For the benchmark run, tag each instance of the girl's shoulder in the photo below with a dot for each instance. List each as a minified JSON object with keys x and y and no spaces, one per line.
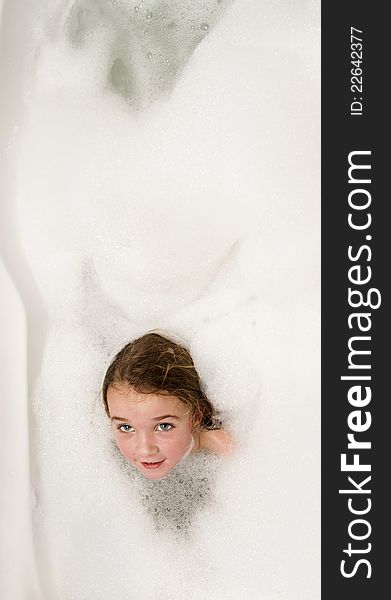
{"x":218,"y":441}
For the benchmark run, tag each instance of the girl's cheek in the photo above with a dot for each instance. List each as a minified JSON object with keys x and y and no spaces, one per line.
{"x":125,"y":451}
{"x":122,"y":447}
{"x":188,"y":447}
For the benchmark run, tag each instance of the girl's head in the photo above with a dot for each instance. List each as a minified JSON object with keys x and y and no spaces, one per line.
{"x":153,"y":396}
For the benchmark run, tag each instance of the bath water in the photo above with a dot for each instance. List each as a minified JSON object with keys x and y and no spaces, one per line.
{"x":166,"y":175}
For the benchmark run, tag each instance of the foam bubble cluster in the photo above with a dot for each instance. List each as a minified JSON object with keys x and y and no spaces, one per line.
{"x":168,"y":178}
{"x":146,"y":43}
{"x":174,"y":503}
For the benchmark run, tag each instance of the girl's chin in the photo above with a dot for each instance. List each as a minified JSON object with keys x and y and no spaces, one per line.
{"x":153,"y":475}
{"x":154,"y":470}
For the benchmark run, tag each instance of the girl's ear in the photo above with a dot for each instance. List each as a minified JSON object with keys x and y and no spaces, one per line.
{"x":196,"y":420}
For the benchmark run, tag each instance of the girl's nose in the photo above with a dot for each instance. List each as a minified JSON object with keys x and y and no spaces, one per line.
{"x":146,"y":445}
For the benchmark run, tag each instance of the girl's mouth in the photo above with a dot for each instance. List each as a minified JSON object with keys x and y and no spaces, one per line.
{"x":152,"y":465}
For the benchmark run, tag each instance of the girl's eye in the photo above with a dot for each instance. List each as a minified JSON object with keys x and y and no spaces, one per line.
{"x":125,"y":428}
{"x":165,"y":427}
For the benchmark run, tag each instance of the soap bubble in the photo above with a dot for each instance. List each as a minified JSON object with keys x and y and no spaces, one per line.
{"x":188,"y":203}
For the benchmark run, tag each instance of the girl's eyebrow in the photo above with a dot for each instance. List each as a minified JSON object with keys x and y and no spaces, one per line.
{"x":166,"y":417}
{"x":154,"y":418}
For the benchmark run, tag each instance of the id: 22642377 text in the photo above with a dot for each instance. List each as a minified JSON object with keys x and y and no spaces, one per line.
{"x":356,"y":71}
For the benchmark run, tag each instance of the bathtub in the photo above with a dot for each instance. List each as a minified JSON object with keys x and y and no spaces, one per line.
{"x":68,"y":283}
{"x":18,"y":569}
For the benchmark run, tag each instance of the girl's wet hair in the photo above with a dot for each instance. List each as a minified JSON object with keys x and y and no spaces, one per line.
{"x":154,"y":364}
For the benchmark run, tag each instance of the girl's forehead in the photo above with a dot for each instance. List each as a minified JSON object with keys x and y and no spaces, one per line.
{"x":132,"y":403}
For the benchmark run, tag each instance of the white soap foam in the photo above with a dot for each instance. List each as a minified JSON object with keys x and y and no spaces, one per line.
{"x":191,"y":207}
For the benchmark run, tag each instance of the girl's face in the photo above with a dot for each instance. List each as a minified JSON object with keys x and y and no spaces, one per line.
{"x":153,"y":432}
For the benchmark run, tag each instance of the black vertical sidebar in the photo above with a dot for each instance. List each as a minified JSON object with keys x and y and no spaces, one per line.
{"x":355,"y":119}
